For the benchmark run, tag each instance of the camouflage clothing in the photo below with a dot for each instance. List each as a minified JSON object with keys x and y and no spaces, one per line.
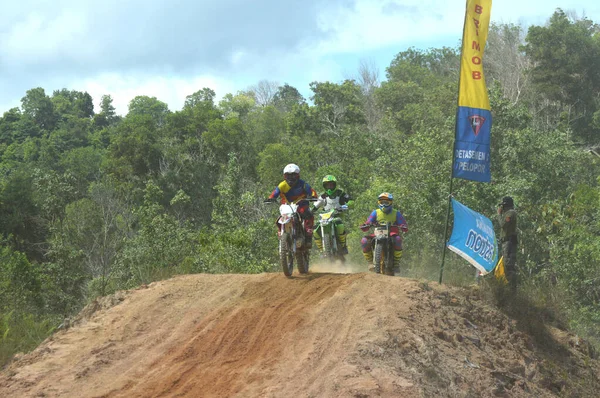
{"x":507,"y":219}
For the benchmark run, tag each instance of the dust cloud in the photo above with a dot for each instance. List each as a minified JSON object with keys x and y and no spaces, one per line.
{"x":321,"y":265}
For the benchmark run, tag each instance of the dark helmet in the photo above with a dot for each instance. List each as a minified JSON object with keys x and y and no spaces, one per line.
{"x":507,"y":201}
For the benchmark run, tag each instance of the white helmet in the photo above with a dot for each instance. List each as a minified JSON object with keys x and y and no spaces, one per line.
{"x":291,"y":168}
{"x":291,"y":174}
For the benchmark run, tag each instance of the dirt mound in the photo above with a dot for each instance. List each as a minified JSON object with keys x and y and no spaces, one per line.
{"x":321,"y":335}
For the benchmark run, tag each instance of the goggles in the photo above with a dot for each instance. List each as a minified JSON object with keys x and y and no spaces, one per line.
{"x":385,"y":202}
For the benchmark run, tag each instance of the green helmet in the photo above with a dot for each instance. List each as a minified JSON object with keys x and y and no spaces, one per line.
{"x":327,"y":180}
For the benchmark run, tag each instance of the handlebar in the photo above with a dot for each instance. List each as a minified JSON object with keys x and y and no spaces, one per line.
{"x":340,"y":209}
{"x":274,"y":200}
{"x":378,"y":224}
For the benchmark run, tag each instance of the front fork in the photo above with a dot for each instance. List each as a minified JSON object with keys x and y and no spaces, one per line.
{"x":291,"y":231}
{"x":332,"y":237}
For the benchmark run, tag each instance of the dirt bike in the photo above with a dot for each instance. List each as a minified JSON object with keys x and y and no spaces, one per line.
{"x":331,"y":249}
{"x":292,"y":239}
{"x":382,"y":245}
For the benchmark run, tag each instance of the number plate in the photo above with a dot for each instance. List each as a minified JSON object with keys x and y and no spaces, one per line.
{"x":380,"y":232}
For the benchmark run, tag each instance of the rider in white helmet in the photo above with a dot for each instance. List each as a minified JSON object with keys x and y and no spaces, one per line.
{"x":292,"y":190}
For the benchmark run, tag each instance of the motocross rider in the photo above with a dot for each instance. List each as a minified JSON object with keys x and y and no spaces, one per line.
{"x":384,"y":213}
{"x":332,"y":198}
{"x":292,"y":190}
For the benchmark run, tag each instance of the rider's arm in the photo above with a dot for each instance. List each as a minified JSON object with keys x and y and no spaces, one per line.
{"x":320,"y":202}
{"x":275,"y":193}
{"x":345,"y":198}
{"x":372,"y":219}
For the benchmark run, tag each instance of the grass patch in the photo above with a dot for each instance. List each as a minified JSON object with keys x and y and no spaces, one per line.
{"x":21,"y":333}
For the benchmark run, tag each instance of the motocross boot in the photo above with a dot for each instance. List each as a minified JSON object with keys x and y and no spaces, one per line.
{"x":308,"y":241}
{"x":318,"y":241}
{"x":397,"y":257}
{"x":308,"y":229}
{"x":342,"y":241}
{"x":369,"y":257}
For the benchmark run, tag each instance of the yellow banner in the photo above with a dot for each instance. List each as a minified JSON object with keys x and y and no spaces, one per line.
{"x":472,"y":91}
{"x":499,"y":271}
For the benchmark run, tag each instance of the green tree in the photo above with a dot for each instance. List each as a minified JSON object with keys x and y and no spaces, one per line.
{"x":149,"y":106}
{"x":39,"y":107}
{"x":337,"y":104}
{"x":200,"y":97}
{"x":73,"y":103}
{"x":134,"y":151}
{"x":19,"y":215}
{"x":286,"y":97}
{"x":237,"y":106}
{"x":107,"y":116}
{"x":566,"y":70}
{"x":160,"y":245}
{"x":9,"y":126}
{"x":20,"y":282}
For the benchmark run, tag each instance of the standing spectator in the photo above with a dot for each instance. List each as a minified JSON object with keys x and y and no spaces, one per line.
{"x":507,"y":217}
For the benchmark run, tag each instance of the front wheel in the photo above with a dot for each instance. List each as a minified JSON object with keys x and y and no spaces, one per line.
{"x":326,"y":241}
{"x":379,"y":258}
{"x":389,"y":261}
{"x":286,"y":254}
{"x":302,"y":258}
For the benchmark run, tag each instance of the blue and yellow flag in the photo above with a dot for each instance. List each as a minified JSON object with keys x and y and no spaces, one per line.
{"x":473,"y":117}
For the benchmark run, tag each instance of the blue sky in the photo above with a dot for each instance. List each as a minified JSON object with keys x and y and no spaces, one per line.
{"x":171,"y":48}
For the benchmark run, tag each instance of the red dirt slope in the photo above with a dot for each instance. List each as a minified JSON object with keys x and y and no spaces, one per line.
{"x":322,"y":335}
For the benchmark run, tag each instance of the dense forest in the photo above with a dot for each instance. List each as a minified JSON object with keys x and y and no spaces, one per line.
{"x":92,"y":202}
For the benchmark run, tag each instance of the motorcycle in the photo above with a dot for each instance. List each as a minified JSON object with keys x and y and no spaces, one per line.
{"x":331,"y":249}
{"x":382,"y":245}
{"x":291,"y":235}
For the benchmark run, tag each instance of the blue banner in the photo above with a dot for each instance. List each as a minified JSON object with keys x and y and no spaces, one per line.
{"x":472,"y":147}
{"x":473,"y":238}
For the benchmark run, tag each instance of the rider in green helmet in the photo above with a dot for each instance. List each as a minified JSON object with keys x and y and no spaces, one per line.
{"x":332,"y":198}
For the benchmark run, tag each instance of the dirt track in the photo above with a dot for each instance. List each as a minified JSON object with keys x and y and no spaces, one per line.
{"x":322,"y":335}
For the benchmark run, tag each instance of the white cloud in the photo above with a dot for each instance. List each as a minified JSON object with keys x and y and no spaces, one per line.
{"x":237,"y":57}
{"x":171,"y":90}
{"x":37,"y":36}
{"x":370,"y":25}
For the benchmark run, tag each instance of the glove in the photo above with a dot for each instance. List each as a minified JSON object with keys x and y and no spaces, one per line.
{"x":270,"y":200}
{"x":404,"y":228}
{"x":365,"y":227}
{"x":323,"y":196}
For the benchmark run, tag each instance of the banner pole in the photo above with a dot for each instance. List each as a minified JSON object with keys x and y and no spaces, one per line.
{"x":450,"y":195}
{"x":453,"y":148}
{"x":446,"y":232}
